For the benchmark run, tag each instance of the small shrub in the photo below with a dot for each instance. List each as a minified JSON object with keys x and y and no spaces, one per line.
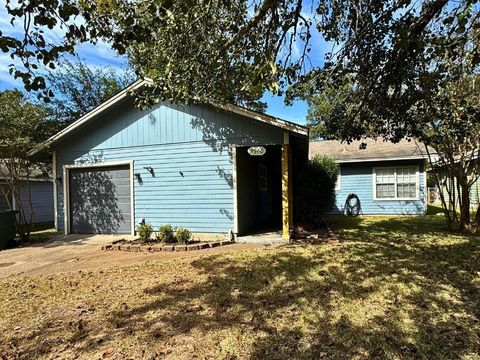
{"x":183,"y":235}
{"x":144,"y":231}
{"x":166,"y":234}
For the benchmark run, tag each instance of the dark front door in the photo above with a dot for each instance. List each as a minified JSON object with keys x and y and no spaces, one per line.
{"x":100,"y":200}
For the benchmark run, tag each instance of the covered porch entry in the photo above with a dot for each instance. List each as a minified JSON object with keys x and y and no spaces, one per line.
{"x":263,"y":185}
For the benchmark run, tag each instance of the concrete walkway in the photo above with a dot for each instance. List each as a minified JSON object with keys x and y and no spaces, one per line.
{"x":269,"y":237}
{"x":87,"y":239}
{"x":66,"y":253}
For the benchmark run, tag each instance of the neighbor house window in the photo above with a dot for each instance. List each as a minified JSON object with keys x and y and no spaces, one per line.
{"x":396,"y":182}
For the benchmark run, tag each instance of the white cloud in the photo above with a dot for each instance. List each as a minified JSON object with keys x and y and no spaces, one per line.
{"x":16,"y":30}
{"x":7,"y":81}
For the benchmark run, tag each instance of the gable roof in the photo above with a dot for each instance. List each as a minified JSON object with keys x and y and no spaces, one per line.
{"x":268,"y":119}
{"x":376,"y":150}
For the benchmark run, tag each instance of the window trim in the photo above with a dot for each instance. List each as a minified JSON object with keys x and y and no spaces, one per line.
{"x":338,"y":184}
{"x":262,"y":185}
{"x":396,"y":198}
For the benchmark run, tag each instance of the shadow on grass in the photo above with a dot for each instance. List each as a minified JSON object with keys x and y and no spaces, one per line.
{"x":434,"y":210}
{"x":425,"y":299}
{"x":369,"y":298}
{"x":405,"y":227}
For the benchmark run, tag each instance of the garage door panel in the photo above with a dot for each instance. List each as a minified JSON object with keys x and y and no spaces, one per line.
{"x":125,"y":209}
{"x":123,"y":191}
{"x":121,"y":181}
{"x":100,"y":200}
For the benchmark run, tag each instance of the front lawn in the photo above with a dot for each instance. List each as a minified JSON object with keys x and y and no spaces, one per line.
{"x":396,"y":288}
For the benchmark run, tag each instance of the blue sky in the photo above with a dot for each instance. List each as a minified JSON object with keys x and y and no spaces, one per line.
{"x":102,"y":55}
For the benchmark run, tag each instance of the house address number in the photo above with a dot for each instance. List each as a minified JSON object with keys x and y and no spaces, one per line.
{"x":257,"y":150}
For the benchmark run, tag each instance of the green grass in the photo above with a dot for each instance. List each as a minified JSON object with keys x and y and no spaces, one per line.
{"x":395,"y":288}
{"x":434,"y":209}
{"x":41,"y":233}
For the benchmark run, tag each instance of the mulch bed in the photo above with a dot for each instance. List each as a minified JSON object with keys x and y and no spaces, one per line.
{"x":304,"y":233}
{"x":135,"y":246}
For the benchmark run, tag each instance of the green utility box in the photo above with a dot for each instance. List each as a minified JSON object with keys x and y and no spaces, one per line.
{"x":7,"y":227}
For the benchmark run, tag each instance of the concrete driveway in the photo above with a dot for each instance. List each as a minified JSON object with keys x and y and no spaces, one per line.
{"x":66,"y":253}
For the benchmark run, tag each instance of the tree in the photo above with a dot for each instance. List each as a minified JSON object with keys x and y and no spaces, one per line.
{"x":23,"y":125}
{"x":315,"y":189}
{"x":421,"y":84}
{"x":199,"y":48}
{"x":79,"y":88}
{"x":34,"y":48}
{"x":455,"y":135}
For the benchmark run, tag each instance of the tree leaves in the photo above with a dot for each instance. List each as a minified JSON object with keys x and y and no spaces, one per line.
{"x":209,"y":49}
{"x":33,"y":50}
{"x":75,"y":89}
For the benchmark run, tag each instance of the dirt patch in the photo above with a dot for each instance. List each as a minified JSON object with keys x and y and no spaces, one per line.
{"x":50,"y":259}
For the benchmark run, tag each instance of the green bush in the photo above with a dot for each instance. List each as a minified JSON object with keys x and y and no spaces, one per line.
{"x":166,"y":234}
{"x":183,"y":235}
{"x":315,"y":189}
{"x":144,"y":231}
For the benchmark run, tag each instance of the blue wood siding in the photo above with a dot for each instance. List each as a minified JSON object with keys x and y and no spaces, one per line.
{"x":358,"y":178}
{"x":41,"y":193}
{"x":42,"y":201}
{"x":190,"y":150}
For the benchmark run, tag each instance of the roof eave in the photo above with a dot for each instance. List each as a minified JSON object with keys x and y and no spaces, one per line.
{"x":397,"y":158}
{"x":286,"y":125}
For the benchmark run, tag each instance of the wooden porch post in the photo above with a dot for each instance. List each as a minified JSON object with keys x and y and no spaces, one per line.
{"x":287,"y":193}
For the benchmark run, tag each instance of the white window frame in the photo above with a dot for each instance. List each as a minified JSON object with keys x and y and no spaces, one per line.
{"x":338,"y":184}
{"x":396,"y":198}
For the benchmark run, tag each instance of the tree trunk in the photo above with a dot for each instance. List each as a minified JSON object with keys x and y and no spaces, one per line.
{"x":464,"y":203}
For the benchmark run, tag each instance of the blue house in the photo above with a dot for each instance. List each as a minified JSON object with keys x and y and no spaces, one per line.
{"x":388,"y":178}
{"x":212,"y":168}
{"x":39,"y":200}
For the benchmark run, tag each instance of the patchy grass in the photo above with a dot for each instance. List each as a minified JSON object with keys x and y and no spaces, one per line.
{"x":397,"y":288}
{"x":42,"y":233}
{"x":435,"y":209}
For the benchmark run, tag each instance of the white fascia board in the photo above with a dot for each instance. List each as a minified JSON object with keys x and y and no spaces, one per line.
{"x":283,"y":124}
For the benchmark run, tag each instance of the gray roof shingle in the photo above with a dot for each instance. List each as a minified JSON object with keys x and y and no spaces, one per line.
{"x":376,"y":150}
{"x":36,"y":173}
